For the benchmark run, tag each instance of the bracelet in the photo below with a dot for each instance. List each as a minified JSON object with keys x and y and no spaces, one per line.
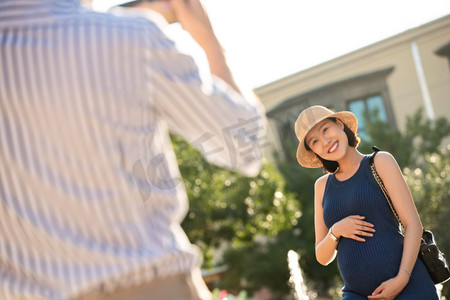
{"x":332,"y":236}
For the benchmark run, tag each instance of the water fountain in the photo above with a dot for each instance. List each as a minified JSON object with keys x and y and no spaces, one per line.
{"x":296,"y":280}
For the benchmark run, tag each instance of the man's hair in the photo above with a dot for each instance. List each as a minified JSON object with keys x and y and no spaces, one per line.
{"x":331,"y":166}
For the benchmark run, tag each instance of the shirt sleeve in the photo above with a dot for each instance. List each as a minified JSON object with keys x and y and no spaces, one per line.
{"x":226,"y":127}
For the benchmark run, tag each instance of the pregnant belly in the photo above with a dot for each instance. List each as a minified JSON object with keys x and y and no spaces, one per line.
{"x":365,"y":265}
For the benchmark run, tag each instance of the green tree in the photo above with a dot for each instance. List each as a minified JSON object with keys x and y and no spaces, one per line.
{"x":421,"y":136}
{"x":387,"y":138}
{"x":227,"y":208}
{"x":429,"y":186}
{"x":425,"y":136}
{"x":261,"y":264}
{"x":300,"y":181}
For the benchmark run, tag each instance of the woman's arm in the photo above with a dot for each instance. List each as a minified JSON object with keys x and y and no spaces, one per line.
{"x":403,"y":202}
{"x":326,"y":247}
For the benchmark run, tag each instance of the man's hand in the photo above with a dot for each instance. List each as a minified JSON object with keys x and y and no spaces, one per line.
{"x":194,"y":19}
{"x":163,"y":7}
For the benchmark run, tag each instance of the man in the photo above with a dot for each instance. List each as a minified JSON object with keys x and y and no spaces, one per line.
{"x":90,"y":191}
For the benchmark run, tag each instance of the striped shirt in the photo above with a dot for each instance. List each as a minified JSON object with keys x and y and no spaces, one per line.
{"x":91,"y":198}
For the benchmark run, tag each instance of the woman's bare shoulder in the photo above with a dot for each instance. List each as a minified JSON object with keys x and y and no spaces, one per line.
{"x":387,"y":167}
{"x":321,"y":182}
{"x":384,"y":159}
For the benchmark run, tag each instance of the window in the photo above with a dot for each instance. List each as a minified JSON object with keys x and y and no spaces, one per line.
{"x":374,"y":106}
{"x":444,"y":51}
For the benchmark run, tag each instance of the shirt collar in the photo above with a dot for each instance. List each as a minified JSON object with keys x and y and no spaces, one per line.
{"x":28,"y":9}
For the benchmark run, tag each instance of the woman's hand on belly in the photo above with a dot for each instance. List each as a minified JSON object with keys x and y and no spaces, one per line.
{"x":353,"y":227}
{"x":391,"y":288}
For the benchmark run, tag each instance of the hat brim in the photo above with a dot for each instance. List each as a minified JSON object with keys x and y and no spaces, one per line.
{"x":309,"y":159}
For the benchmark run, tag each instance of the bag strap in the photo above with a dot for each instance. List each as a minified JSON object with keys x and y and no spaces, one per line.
{"x":381,"y":184}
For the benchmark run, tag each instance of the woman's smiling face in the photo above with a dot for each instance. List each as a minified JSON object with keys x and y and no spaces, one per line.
{"x":328,"y":139}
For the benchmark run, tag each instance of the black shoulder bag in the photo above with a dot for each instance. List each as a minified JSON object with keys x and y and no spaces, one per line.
{"x":433,"y":259}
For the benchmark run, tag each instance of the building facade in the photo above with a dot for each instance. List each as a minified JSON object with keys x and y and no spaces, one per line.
{"x":391,"y":79}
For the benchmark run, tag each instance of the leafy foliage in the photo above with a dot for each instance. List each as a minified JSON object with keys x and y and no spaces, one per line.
{"x":430,"y":188}
{"x":387,"y":138}
{"x":425,"y":136}
{"x":421,"y":136}
{"x":227,"y":208}
{"x":260,"y":264}
{"x":300,"y":182}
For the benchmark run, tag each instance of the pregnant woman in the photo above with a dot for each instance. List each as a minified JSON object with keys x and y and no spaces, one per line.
{"x":353,"y":221}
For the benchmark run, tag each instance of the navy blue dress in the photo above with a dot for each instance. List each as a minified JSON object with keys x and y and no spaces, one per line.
{"x":365,"y":265}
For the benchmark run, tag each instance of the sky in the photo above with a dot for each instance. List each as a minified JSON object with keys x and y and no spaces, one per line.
{"x":266,"y":40}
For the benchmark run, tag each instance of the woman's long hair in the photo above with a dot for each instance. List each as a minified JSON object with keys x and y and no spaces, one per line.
{"x":331,"y":166}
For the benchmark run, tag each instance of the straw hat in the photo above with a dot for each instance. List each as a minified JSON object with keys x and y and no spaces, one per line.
{"x":310,"y":117}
